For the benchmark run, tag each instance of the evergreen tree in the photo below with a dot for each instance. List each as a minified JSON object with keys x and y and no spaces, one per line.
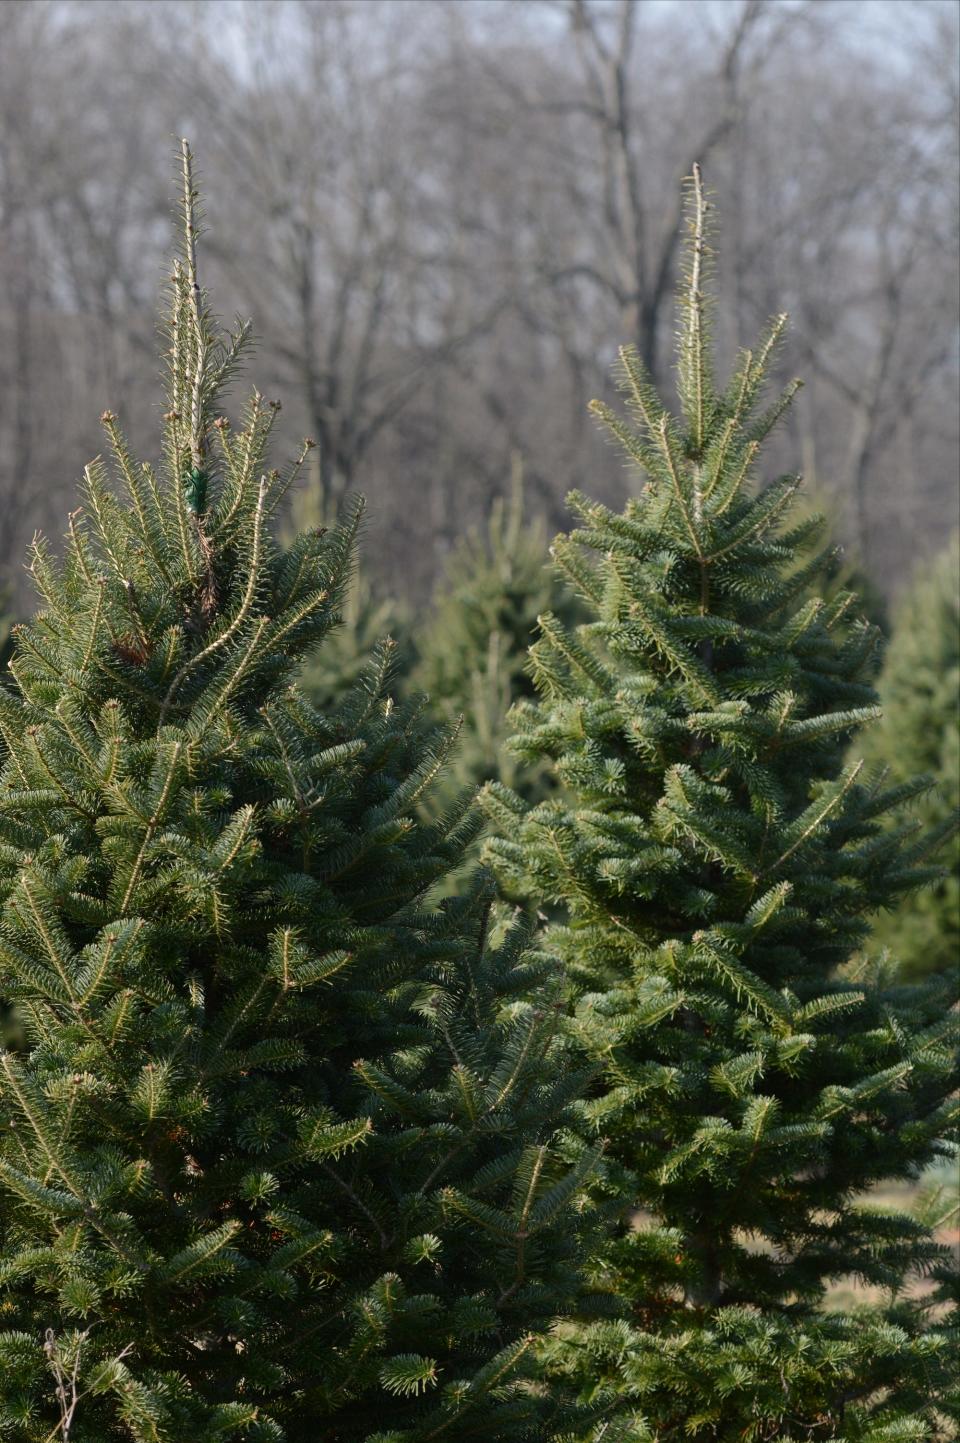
{"x":842,"y":573}
{"x":473,"y":654}
{"x":920,"y":731}
{"x":8,"y":1028}
{"x":365,"y":620}
{"x":718,"y":863}
{"x":6,"y":637}
{"x":276,"y":1153}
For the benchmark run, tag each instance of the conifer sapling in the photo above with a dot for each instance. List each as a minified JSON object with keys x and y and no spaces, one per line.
{"x":473,"y":652}
{"x":717,"y":862}
{"x":275,"y":1142}
{"x":919,"y":690}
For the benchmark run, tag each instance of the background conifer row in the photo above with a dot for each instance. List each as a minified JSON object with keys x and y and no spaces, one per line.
{"x":473,"y":651}
{"x":919,"y":691}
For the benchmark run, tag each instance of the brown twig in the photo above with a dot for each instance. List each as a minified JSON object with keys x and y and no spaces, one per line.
{"x":67,"y":1393}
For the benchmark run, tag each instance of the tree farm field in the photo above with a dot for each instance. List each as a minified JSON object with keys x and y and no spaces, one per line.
{"x":531,"y":1015}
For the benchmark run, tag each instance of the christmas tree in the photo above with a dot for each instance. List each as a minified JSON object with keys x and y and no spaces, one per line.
{"x":842,"y":573}
{"x":718,"y":862}
{"x":276,"y":1150}
{"x":473,"y":655}
{"x":8,"y":1028}
{"x":920,"y":731}
{"x":6,"y":637}
{"x":365,"y":620}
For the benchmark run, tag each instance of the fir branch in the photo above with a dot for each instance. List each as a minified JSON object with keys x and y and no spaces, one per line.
{"x":816,"y":815}
{"x":243,"y":612}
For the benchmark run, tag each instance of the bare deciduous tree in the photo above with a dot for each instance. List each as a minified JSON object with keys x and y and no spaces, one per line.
{"x":444,"y":215}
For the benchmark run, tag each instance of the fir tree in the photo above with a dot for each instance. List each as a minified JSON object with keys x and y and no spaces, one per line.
{"x":275,"y":1153}
{"x":6,"y":637}
{"x":920,"y":731}
{"x":365,"y":621}
{"x":473,"y":654}
{"x":8,"y":1026}
{"x":718,"y":863}
{"x":842,"y":574}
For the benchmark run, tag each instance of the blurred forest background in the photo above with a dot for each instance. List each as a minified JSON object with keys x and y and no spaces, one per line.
{"x":444,"y":215}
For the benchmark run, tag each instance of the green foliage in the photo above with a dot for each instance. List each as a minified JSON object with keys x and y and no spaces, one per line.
{"x":841,"y":573}
{"x":6,"y":638}
{"x":364,"y":623}
{"x":278,"y":1151}
{"x":746,"y":1376}
{"x":365,"y":620}
{"x":717,"y":863}
{"x":7,"y":1025}
{"x":920,"y":732}
{"x":473,"y":653}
